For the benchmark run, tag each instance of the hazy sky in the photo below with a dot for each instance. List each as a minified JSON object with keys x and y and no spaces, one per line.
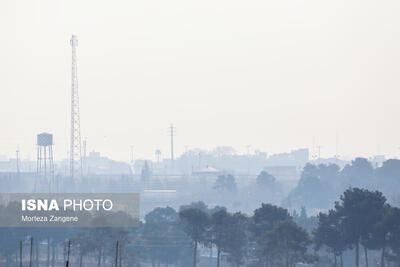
{"x":270,"y":74}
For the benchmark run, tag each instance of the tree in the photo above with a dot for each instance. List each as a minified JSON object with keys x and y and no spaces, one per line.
{"x":236,"y":246}
{"x":219,"y":231}
{"x":196,"y":223}
{"x":266,"y":217}
{"x":330,"y":177}
{"x":195,"y":205}
{"x":388,"y":176}
{"x":267,"y":188}
{"x":329,"y":173}
{"x":304,"y":221}
{"x":165,"y":215}
{"x":225,"y":183}
{"x":84,"y":244}
{"x":163,"y":236}
{"x":359,"y":211}
{"x":286,"y":245}
{"x":265,"y":180}
{"x":391,"y":226}
{"x":264,"y":220}
{"x":329,"y":233}
{"x":358,"y":174}
{"x":385,"y":231}
{"x":314,"y":188}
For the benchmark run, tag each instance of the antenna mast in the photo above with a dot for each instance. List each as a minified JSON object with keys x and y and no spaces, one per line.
{"x":75,"y":150}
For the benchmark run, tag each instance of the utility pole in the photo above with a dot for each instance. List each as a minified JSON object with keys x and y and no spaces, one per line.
{"x":120,"y":253}
{"x":199,"y":160}
{"x":319,"y":151}
{"x":314,"y":154}
{"x":171,"y":132}
{"x":337,"y":149}
{"x":116,"y":254}
{"x":131,"y":155}
{"x":68,"y":252}
{"x":30,"y":254}
{"x":158,"y":155}
{"x":20,"y":253}
{"x":131,"y":160}
{"x":17,"y":157}
{"x":75,"y":150}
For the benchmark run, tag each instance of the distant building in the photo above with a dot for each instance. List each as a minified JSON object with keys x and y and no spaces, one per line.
{"x":97,"y":164}
{"x":283,"y":173}
{"x":10,"y":165}
{"x":297,"y":158}
{"x":208,"y":171}
{"x":225,"y":159}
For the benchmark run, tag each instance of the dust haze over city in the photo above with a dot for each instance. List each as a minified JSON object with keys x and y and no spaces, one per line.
{"x":239,"y":125}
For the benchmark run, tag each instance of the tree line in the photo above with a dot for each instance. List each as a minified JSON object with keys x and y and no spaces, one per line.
{"x":361,"y":219}
{"x":320,"y":185}
{"x":360,"y":222}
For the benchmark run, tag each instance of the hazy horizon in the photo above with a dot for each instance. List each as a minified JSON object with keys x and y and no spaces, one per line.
{"x":272,"y":75}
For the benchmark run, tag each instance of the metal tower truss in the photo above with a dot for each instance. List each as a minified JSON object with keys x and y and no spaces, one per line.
{"x":75,"y":149}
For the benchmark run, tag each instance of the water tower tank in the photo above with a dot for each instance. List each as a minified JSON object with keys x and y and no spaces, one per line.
{"x":44,"y":139}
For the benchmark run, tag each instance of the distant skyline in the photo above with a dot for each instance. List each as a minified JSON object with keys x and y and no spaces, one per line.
{"x":273,"y":75}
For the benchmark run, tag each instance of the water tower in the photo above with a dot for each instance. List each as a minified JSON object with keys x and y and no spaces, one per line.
{"x":45,"y":165}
